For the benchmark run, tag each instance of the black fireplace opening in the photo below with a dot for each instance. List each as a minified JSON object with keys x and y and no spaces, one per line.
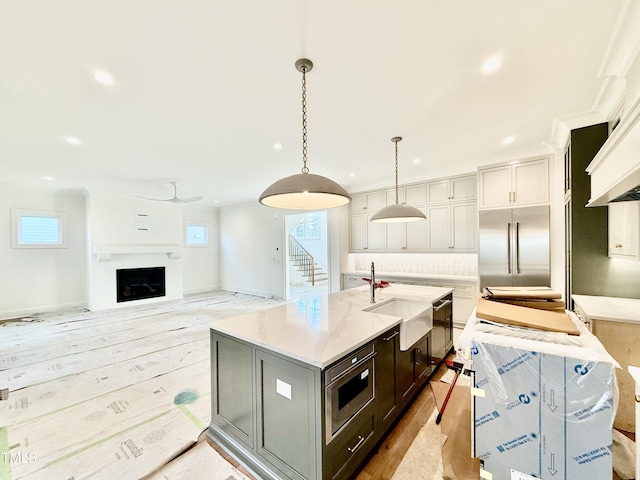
{"x":139,"y":283}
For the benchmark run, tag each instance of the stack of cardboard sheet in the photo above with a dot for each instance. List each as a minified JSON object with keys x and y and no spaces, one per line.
{"x":539,"y":308}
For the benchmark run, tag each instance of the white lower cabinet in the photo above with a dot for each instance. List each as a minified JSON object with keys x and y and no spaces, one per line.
{"x":351,"y":281}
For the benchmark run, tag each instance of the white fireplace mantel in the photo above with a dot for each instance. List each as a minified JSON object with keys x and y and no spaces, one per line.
{"x":103,"y":253}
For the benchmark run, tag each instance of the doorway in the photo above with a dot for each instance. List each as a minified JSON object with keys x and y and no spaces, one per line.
{"x":307,"y":255}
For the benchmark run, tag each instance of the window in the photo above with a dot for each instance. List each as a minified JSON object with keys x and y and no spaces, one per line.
{"x":196,"y":234}
{"x":308,"y":227}
{"x":38,"y":229}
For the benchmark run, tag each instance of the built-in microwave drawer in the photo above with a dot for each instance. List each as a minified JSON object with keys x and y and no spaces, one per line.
{"x":344,"y":365}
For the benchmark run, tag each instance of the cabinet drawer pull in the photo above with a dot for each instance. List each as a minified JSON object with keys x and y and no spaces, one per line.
{"x":618,"y":245}
{"x":446,"y":302}
{"x":393,"y":335}
{"x":357,"y":445}
{"x":416,"y":356}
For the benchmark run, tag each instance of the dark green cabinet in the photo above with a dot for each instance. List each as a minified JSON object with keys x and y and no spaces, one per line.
{"x":270,"y":411}
{"x":388,"y":350}
{"x":413,"y":369}
{"x":345,"y":453}
{"x":288,"y":417}
{"x":232,"y":382}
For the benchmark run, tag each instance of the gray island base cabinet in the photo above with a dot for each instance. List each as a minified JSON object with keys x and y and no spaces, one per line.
{"x":265,"y":409}
{"x":279,"y":415}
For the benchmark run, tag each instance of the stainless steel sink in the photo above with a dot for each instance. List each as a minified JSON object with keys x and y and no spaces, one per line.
{"x":417,"y":318}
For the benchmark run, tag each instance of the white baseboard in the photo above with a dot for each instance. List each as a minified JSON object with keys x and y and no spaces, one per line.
{"x":31,"y":311}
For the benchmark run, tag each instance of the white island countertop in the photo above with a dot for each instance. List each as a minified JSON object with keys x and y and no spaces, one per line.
{"x":320,"y":330}
{"x":613,"y":309}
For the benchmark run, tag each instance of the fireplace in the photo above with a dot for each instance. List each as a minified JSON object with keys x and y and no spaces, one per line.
{"x":138,"y":283}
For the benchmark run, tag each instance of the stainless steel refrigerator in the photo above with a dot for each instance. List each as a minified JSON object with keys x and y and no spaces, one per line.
{"x":514,"y":247}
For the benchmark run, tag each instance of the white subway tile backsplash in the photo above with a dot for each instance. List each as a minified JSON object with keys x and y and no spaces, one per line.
{"x":426,"y":263}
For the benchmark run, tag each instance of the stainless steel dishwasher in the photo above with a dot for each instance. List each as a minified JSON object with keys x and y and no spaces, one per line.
{"x":442,"y":333}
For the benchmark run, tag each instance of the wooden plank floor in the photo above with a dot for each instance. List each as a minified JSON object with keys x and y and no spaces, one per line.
{"x":385,"y":461}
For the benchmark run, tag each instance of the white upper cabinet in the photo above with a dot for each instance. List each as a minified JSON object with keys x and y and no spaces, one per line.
{"x":624,"y":230}
{"x":514,"y":184}
{"x":452,"y":190}
{"x":406,"y":237}
{"x":452,"y":214}
{"x":367,"y":202}
{"x":410,"y":236}
{"x":366,"y":236}
{"x":452,"y":228}
{"x":410,"y":195}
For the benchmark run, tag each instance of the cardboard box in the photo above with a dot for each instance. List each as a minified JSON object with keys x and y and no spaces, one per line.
{"x":525,"y":317}
{"x":522,"y":293}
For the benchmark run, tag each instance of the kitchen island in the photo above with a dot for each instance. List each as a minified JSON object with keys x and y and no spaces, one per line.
{"x":306,"y":390}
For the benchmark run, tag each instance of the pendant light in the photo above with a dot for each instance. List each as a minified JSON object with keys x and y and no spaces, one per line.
{"x":397,"y":212}
{"x":304,"y":191}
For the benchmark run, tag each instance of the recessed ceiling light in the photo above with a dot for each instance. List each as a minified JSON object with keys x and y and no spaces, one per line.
{"x":507,"y":140}
{"x":415,"y":161}
{"x":277,"y":146}
{"x":352,"y":175}
{"x":48,"y":178}
{"x":215,"y":201}
{"x":103,"y":77}
{"x":491,"y":64}
{"x":73,"y":141}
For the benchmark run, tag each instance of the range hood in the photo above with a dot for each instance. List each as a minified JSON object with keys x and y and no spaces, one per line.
{"x":615,"y":170}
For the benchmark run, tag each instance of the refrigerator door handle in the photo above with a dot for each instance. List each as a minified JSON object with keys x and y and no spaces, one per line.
{"x":509,"y":247}
{"x":517,"y":247}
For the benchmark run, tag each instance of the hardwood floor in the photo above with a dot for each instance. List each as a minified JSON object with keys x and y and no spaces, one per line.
{"x":386,"y":459}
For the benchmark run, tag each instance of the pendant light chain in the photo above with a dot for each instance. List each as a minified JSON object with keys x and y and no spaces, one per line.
{"x":305,"y":169}
{"x":396,"y":173}
{"x":304,"y":191}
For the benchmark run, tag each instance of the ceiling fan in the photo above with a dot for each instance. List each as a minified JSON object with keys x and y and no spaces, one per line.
{"x":175,"y":199}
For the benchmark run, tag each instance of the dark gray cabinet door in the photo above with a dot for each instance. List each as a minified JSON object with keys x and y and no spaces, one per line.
{"x":413,"y":368}
{"x":386,"y":376}
{"x":232,"y":388}
{"x":406,"y":371}
{"x":289,"y":424}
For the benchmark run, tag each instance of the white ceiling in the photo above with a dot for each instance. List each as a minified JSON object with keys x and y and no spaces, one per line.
{"x":204,"y":88}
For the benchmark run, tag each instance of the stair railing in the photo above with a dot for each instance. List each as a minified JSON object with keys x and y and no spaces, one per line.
{"x":302,"y":258}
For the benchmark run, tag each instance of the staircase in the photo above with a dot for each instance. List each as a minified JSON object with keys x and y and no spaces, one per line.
{"x":310,"y":272}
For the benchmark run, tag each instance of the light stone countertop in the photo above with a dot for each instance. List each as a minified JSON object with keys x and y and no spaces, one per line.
{"x":321,"y":330}
{"x":613,"y":309}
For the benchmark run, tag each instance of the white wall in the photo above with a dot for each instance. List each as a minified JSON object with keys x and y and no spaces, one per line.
{"x":47,"y":279}
{"x":43,"y":279}
{"x":252,"y":249}
{"x":200,"y":264}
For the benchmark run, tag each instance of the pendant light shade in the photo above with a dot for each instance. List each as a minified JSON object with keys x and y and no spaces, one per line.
{"x":397,"y":212}
{"x":304,"y":191}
